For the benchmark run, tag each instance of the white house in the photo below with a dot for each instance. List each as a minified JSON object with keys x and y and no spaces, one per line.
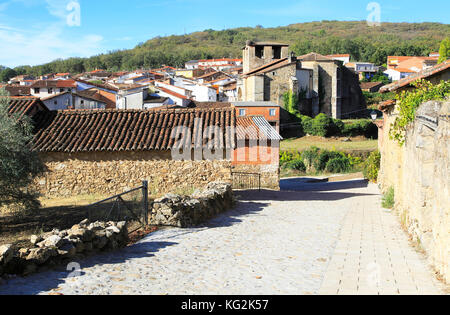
{"x":46,"y":88}
{"x":398,"y":74}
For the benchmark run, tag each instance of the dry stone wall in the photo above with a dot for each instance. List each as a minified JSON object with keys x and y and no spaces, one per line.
{"x":420,"y":175}
{"x":109,"y":173}
{"x":56,"y":247}
{"x":188,"y":211}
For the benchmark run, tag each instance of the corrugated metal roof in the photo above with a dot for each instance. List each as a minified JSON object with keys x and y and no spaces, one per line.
{"x":255,"y":128}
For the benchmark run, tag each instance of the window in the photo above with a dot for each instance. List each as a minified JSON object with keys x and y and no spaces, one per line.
{"x":50,"y":90}
{"x":242,"y":112}
{"x":37,"y":91}
{"x":259,"y":51}
{"x":55,"y":102}
{"x":272,"y":112}
{"x":61,"y":90}
{"x":276,"y":52}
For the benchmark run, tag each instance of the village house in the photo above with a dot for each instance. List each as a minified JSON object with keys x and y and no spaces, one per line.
{"x":323,"y":85}
{"x":74,"y":100}
{"x":436,"y":74}
{"x":172,"y":149}
{"x":345,"y":58}
{"x":399,"y":67}
{"x":47,"y":88}
{"x":365,"y":70}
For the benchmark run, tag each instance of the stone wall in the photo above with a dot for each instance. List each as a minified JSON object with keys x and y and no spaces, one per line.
{"x":59,"y":247}
{"x":420,"y":174}
{"x":109,"y":173}
{"x":188,"y":211}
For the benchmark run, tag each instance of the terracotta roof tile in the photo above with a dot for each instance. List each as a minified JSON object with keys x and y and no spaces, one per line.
{"x":25,"y":105}
{"x":414,"y":77}
{"x":123,"y":130}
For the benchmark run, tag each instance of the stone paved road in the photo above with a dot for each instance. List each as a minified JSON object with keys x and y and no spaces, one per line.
{"x":288,"y":242}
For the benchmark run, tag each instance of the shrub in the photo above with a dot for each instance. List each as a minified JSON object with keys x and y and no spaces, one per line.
{"x":307,"y":125}
{"x":325,"y":156}
{"x":310,"y":156}
{"x":322,"y":125}
{"x":372,"y":166}
{"x":389,"y":199}
{"x":338,"y":165}
{"x":296,"y":165}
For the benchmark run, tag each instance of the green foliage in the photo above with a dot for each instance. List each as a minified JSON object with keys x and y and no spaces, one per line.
{"x":325,"y":156}
{"x":290,"y":101}
{"x":338,"y":165}
{"x":6,"y":74}
{"x":409,"y":101}
{"x":444,"y":51}
{"x":362,"y":42}
{"x":317,"y":161}
{"x":322,"y":125}
{"x":297,"y":165}
{"x":373,"y":99}
{"x":378,"y":77}
{"x":363,"y":127}
{"x":18,"y":164}
{"x":372,"y":166}
{"x":389,"y":199}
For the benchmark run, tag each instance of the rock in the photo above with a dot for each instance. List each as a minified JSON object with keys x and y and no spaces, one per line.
{"x":113,"y":229}
{"x":23,"y":253}
{"x":52,"y":241}
{"x":82,"y":233}
{"x":121,"y":225}
{"x":85,"y":222}
{"x":6,"y":254}
{"x":68,"y":250}
{"x":41,"y":255}
{"x":34,"y":239}
{"x":100,"y":243}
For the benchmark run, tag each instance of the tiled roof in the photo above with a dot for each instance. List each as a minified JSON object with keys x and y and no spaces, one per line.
{"x":338,"y":56}
{"x":17,"y":90}
{"x":124,"y":130}
{"x":412,"y":78}
{"x":369,"y":85}
{"x":269,"y":66}
{"x":25,"y":105}
{"x":105,"y":86}
{"x":211,"y":105}
{"x":54,"y":84}
{"x":170,"y":92}
{"x":314,"y":57}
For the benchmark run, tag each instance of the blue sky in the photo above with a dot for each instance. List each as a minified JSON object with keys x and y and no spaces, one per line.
{"x":37,"y":31}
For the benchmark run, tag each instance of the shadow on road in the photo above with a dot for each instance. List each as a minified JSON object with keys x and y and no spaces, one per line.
{"x":46,"y":281}
{"x":302,"y":189}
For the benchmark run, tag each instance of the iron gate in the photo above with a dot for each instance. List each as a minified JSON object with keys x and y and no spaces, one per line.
{"x":243,"y":180}
{"x":130,"y":206}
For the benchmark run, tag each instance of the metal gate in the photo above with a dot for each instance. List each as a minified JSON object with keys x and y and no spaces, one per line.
{"x":130,"y":206}
{"x":243,"y":180}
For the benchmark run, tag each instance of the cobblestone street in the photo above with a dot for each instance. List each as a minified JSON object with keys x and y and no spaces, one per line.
{"x":327,"y":238}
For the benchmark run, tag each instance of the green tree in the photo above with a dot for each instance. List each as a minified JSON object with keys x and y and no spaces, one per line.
{"x":7,"y":74}
{"x":444,"y":51}
{"x":18,"y":164}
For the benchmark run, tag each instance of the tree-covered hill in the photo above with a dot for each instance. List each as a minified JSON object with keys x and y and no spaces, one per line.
{"x":364,"y":43}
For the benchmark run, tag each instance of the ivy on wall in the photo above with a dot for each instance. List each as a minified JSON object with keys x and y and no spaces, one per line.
{"x":409,"y":101}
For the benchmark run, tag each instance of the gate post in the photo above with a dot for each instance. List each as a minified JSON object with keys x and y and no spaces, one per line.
{"x":145,"y":200}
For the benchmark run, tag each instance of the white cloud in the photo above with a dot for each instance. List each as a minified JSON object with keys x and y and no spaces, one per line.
{"x":37,"y":47}
{"x":47,"y":41}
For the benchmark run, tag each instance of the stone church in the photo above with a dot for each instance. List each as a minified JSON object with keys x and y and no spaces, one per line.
{"x":322,"y":84}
